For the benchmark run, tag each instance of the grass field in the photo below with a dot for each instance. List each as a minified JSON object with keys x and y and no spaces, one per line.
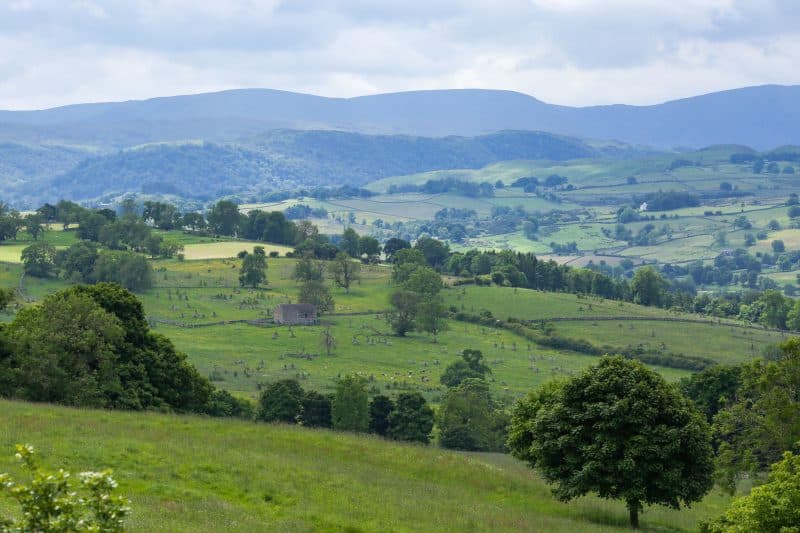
{"x":226,"y":249}
{"x":197,"y":474}
{"x":199,"y":305}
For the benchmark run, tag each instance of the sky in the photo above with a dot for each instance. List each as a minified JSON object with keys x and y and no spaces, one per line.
{"x":571,"y":52}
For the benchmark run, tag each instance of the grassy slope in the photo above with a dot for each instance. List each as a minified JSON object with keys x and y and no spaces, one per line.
{"x":241,"y":356}
{"x":196,"y":474}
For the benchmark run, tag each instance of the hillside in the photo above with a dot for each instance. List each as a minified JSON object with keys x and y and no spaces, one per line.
{"x":761,"y":117}
{"x":196,"y":474}
{"x":286,"y":159}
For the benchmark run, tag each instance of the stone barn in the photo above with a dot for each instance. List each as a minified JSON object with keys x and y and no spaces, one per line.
{"x":295,"y":314}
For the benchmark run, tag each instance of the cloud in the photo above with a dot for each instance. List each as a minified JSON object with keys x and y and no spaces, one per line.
{"x":575,"y":52}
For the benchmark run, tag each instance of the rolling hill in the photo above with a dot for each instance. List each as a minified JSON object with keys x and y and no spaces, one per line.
{"x":196,"y":474}
{"x":761,"y":117}
{"x":290,"y":159}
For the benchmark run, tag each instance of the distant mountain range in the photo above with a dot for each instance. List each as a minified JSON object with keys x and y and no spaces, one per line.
{"x":761,"y":117}
{"x":253,"y":141}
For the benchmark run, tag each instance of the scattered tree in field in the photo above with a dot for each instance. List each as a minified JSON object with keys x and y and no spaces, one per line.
{"x":127,"y":269}
{"x":328,"y":341}
{"x":38,"y":260}
{"x":380,"y":409}
{"x":469,"y":366}
{"x":344,"y":271}
{"x":778,"y":246}
{"x":313,"y":290}
{"x":402,"y":316}
{"x":350,"y":409}
{"x":281,"y":401}
{"x":254,"y":268}
{"x":773,"y":506}
{"x":52,"y":502}
{"x":618,"y":430}
{"x":412,"y":418}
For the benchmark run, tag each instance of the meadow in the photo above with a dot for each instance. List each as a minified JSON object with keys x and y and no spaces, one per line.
{"x":191,"y":474}
{"x":227,"y":331}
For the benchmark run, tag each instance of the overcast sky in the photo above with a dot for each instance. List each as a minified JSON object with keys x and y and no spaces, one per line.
{"x":575,"y":52}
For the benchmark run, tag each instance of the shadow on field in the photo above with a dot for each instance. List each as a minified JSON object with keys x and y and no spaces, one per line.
{"x":607,"y":517}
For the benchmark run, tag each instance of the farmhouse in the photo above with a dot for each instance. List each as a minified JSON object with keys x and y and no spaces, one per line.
{"x":295,"y":314}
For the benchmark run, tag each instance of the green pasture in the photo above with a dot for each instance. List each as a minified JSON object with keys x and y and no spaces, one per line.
{"x":188,"y":474}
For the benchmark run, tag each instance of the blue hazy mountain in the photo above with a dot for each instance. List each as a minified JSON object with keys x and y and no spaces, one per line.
{"x":761,"y":117}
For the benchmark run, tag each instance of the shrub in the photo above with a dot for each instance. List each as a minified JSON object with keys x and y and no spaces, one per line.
{"x":51,"y":503}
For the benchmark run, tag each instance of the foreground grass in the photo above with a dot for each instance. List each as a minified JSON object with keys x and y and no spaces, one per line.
{"x":198,"y":474}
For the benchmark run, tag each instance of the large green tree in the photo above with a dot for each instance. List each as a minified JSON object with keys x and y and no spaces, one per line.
{"x":763,"y":420}
{"x":619,"y":430}
{"x":39,"y":259}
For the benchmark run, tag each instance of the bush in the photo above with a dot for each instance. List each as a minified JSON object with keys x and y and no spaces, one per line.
{"x":51,"y":503}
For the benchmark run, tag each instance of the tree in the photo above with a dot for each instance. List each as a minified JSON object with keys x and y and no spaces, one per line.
{"x":380,"y":409}
{"x":618,"y":430}
{"x":350,"y":408}
{"x":470,"y":420}
{"x":39,"y":259}
{"x":306,"y":269}
{"x":774,"y":309}
{"x":432,"y":315}
{"x":712,"y":388}
{"x":469,"y":366}
{"x":402,"y":316}
{"x":68,"y":350}
{"x":6,"y":297}
{"x":64,"y":352}
{"x":434,"y":251}
{"x":648,"y":287}
{"x":316,"y":410}
{"x":773,"y":506}
{"x":224,"y":218}
{"x":52,"y":502}
{"x":350,"y":243}
{"x":369,"y":247}
{"x":344,"y":271}
{"x":281,"y":401}
{"x":254,"y":268}
{"x":194,"y":221}
{"x":33,"y":225}
{"x":394,"y":245}
{"x":316,"y":293}
{"x":328,"y":341}
{"x":129,"y":270}
{"x":412,"y":419}
{"x":223,"y":404}
{"x":763,"y":420}
{"x":778,"y":246}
